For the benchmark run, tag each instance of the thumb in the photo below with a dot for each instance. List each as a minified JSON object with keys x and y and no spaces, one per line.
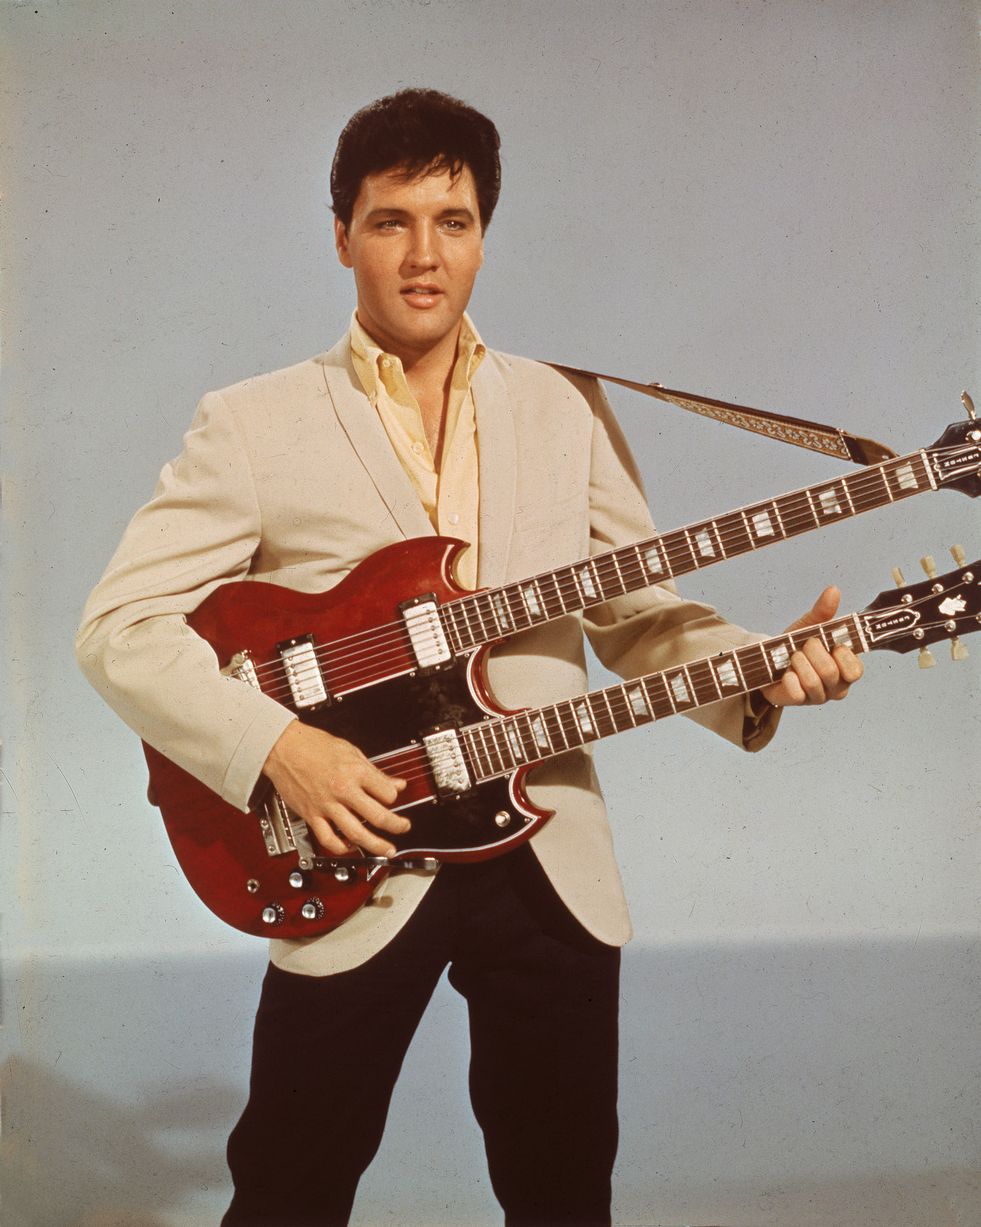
{"x":824,"y":608}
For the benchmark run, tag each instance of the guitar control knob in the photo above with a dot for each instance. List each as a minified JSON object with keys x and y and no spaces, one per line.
{"x":313,"y":909}
{"x":296,"y":880}
{"x":502,"y":818}
{"x":273,"y":914}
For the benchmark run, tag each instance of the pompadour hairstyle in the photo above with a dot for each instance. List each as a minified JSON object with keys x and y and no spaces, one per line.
{"x":418,"y":131}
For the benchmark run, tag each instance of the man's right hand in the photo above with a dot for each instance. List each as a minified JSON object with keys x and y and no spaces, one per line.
{"x":338,"y":792}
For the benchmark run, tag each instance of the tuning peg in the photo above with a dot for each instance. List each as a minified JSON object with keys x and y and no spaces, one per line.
{"x":957,"y":650}
{"x":968,"y":405}
{"x":897,"y":577}
{"x":927,"y":659}
{"x":958,"y":555}
{"x":928,"y":565}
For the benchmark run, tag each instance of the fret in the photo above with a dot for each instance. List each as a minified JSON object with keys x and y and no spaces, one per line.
{"x":519,"y":611}
{"x":448,"y":615}
{"x":554,"y":726}
{"x":754,"y":664}
{"x":509,"y":729}
{"x":679,"y":541}
{"x":606,"y":721}
{"x":478,"y":757}
{"x":865,"y":499}
{"x":761,"y":524}
{"x":554,"y":577}
{"x":464,"y":606}
{"x":703,"y":681}
{"x":927,"y":469}
{"x":488,"y":750}
{"x":534,"y":737}
{"x":813,"y":509}
{"x":658,"y":696}
{"x":654,"y":560}
{"x":624,"y":588}
{"x":732,"y":529}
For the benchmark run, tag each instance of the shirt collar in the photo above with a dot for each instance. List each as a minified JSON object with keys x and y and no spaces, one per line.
{"x":378,"y":369}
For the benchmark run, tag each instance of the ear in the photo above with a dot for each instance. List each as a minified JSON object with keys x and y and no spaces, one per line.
{"x":340,"y":242}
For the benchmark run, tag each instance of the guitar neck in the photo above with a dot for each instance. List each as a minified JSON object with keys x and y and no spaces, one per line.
{"x":940,"y":608}
{"x":490,"y":615}
{"x":498,"y":747}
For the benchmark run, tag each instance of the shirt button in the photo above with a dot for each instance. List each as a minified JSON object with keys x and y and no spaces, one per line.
{"x":386,"y":362}
{"x":454,"y":518}
{"x":417,"y":448}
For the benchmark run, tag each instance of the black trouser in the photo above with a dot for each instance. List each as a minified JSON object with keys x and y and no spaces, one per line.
{"x":542,"y":997}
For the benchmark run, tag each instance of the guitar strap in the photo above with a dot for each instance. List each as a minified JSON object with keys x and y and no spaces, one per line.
{"x":799,"y":431}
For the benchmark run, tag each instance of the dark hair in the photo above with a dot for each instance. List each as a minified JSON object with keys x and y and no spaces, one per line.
{"x":419,"y":131}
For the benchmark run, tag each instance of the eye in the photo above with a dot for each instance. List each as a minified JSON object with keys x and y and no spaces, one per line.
{"x":390,"y":223}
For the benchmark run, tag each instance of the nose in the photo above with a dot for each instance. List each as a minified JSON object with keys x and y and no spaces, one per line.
{"x":422,"y":252}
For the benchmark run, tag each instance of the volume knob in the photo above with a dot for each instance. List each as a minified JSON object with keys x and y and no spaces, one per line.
{"x":273,"y":914}
{"x":313,"y":909}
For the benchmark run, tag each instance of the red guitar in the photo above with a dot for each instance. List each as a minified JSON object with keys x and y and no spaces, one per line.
{"x":465,"y":759}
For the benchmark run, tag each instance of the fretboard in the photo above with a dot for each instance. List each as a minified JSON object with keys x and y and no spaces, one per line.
{"x":497,"y":747}
{"x":495,"y":613}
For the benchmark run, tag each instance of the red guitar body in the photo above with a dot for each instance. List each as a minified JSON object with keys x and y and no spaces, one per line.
{"x":261,"y":883}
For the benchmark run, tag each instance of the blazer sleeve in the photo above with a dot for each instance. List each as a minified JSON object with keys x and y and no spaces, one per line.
{"x":200,"y":529}
{"x":653,"y":628}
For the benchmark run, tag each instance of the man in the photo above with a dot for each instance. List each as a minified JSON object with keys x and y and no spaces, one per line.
{"x":407,"y":426}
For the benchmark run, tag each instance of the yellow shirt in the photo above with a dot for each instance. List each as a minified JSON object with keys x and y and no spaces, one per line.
{"x":450,"y":493}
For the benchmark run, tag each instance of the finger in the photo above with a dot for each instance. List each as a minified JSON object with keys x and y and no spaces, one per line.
{"x":826,"y":667}
{"x":825,"y":607}
{"x":382,"y":787}
{"x":368,"y":810}
{"x":787,"y":692}
{"x":327,"y":837}
{"x":350,"y":827}
{"x":808,"y":677}
{"x":848,"y":663}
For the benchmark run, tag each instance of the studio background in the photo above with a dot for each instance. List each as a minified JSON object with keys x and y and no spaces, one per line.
{"x":773,"y":203}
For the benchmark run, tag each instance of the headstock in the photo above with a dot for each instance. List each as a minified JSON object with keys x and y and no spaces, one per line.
{"x":941,"y":607}
{"x":955,"y":458}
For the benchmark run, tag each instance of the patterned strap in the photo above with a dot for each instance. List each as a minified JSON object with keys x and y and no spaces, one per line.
{"x":799,"y":431}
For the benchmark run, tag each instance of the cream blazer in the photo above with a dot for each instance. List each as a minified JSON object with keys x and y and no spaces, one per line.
{"x":290,"y":478}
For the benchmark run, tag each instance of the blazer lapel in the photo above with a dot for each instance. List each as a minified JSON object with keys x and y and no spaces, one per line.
{"x":368,"y":438}
{"x":497,"y":451}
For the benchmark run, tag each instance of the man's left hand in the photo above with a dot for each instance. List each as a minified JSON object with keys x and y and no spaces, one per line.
{"x":816,"y":675}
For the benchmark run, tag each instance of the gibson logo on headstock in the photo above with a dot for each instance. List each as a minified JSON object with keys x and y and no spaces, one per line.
{"x":891,"y":624}
{"x":952,"y":605}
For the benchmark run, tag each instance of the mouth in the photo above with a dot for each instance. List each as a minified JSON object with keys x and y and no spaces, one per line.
{"x":422,"y":295}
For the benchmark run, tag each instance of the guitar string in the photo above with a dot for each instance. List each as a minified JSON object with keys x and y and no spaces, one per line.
{"x":414,"y":763}
{"x":674,"y":545}
{"x":351,"y":668}
{"x":356,"y":668}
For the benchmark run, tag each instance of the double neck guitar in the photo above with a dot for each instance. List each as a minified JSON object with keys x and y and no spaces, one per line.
{"x":392,"y":660}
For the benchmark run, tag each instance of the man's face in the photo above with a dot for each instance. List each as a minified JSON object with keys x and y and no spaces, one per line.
{"x":415,"y":247}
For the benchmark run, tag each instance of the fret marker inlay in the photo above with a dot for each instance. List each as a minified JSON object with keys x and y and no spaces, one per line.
{"x":638,"y":702}
{"x":588,"y":587}
{"x":726,"y":673}
{"x":541,"y":737}
{"x":841,"y":635}
{"x":829,"y":502}
{"x":584,"y":717}
{"x":704,"y":543}
{"x":763,"y":524}
{"x":531,"y":600}
{"x":906,"y":477}
{"x":652,"y":560}
{"x":780,"y":656}
{"x":679,"y":689}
